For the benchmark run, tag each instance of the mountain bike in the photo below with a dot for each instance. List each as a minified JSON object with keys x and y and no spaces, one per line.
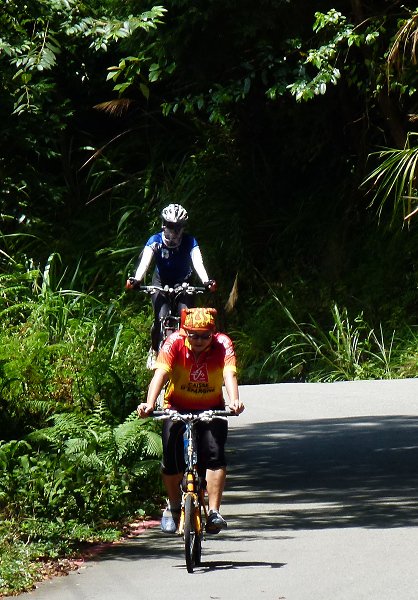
{"x":194,"y":510}
{"x":171,"y":321}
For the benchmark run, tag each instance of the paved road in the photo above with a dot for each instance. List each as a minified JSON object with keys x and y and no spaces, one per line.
{"x":321,"y":504}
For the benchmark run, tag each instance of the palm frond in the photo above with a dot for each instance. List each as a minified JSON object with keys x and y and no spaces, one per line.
{"x":394,"y":179}
{"x":116,"y":107}
{"x":406,"y":39}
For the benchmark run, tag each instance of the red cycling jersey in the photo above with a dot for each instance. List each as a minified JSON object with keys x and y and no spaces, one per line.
{"x":195,"y":383}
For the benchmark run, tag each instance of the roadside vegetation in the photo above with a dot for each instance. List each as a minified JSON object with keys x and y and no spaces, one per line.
{"x":287,"y":131}
{"x":77,"y":465}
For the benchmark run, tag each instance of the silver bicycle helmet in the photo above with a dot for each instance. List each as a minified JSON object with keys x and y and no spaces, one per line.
{"x":174,"y":213}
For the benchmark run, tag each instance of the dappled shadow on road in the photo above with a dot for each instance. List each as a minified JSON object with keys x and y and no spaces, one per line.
{"x":292,"y":475}
{"x":151,"y":545}
{"x":156,"y":545}
{"x":356,"y":472}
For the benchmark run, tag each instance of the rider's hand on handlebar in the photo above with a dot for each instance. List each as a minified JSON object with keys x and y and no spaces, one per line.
{"x":131,"y":283}
{"x":144,"y":410}
{"x":236,"y":406}
{"x":210,"y":285}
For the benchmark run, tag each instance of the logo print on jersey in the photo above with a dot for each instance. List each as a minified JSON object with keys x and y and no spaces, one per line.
{"x":199,"y":374}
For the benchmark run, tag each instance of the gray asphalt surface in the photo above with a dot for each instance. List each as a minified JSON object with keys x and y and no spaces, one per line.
{"x":321,"y":503}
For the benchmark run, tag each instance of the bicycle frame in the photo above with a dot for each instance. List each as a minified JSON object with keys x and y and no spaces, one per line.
{"x":192,"y":485}
{"x":171,"y":321}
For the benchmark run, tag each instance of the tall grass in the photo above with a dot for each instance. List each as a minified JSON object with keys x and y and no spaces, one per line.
{"x":349,"y":350}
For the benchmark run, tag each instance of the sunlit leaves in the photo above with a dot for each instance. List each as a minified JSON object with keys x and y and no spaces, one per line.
{"x":332,"y":17}
{"x":306,"y":88}
{"x":327,"y":58}
{"x":32,"y":44}
{"x":102,"y":32}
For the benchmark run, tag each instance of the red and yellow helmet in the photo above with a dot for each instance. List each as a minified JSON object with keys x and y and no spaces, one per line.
{"x":198,"y":319}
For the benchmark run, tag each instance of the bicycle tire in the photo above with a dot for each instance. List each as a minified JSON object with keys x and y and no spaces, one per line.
{"x":198,"y":544}
{"x":191,"y":537}
{"x":197,"y":555}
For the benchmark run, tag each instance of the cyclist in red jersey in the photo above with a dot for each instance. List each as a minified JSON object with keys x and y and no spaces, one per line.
{"x":196,"y":361}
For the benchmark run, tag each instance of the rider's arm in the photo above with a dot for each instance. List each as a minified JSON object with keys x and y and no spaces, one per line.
{"x":156,"y":385}
{"x":198,"y":265}
{"x":231,"y":384}
{"x":144,"y":264}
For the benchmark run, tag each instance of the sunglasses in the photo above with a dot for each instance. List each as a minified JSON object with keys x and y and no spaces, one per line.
{"x":199,"y":336}
{"x":173,"y":226}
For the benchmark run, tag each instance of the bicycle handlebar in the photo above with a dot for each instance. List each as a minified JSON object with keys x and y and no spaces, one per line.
{"x":204,"y":415}
{"x":177,"y":288}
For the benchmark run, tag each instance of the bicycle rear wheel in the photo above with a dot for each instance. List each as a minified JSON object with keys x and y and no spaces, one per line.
{"x":192,"y":546}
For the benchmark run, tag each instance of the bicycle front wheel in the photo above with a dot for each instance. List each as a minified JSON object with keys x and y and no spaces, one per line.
{"x":192,"y":548}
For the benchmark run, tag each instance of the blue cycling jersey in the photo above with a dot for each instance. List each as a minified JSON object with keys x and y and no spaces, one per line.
{"x":173,"y":265}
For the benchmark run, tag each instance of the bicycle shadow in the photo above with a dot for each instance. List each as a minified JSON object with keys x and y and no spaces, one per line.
{"x":350,"y":472}
{"x":226,"y":565}
{"x":154,"y":545}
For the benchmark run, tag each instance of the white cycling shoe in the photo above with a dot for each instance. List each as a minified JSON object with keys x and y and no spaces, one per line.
{"x":170,"y":520}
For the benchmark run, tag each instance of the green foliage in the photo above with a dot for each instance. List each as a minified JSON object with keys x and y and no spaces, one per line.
{"x":17,"y":571}
{"x":25,"y":546}
{"x":323,"y":64}
{"x":54,"y":58}
{"x":64,"y":483}
{"x":394,"y":180}
{"x":407,"y":353}
{"x":77,"y":457}
{"x":63,"y":347}
{"x":59,"y":25}
{"x":82,"y":467}
{"x":350,"y":350}
{"x":104,"y":31}
{"x":253,"y":340}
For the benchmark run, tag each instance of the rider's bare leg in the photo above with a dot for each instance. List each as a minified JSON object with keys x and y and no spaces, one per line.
{"x":215,"y":483}
{"x":172,"y":486}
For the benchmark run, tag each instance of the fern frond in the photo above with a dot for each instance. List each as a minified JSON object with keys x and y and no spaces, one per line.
{"x":154,"y":445}
{"x":131,"y":437}
{"x":75,"y":446}
{"x":66,"y":425}
{"x":146,"y":467}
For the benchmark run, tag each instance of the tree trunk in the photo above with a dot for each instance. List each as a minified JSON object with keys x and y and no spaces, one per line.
{"x":393,"y":119}
{"x":357,"y":8}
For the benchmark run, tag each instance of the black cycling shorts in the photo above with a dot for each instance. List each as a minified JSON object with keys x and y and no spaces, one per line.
{"x":211,"y":440}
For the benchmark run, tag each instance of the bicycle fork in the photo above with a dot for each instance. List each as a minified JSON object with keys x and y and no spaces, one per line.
{"x":197,"y":501}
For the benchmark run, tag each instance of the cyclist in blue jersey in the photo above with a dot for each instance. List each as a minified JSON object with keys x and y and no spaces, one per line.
{"x":176,"y":255}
